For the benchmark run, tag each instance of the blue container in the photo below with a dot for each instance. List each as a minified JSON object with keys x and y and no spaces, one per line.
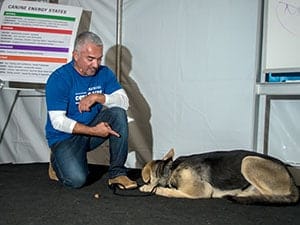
{"x":283,"y":77}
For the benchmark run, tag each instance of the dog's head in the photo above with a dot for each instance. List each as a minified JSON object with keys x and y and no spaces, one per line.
{"x":157,"y":171}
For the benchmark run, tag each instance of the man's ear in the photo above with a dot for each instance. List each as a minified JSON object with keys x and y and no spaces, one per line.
{"x":75,"y":55}
{"x":169,"y":155}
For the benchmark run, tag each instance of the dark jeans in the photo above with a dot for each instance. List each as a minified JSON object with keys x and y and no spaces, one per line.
{"x":69,"y":157}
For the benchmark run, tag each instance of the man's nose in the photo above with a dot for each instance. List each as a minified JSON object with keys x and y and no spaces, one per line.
{"x":95,"y":63}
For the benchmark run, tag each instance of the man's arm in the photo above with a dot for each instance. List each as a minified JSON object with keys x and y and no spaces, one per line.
{"x":116,"y":99}
{"x":62,"y":123}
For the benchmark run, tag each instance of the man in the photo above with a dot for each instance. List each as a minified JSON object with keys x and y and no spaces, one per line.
{"x":76,"y":120}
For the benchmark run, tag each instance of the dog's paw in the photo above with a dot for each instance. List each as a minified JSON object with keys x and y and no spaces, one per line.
{"x":146,"y":188}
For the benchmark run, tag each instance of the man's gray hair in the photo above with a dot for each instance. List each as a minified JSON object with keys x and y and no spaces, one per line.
{"x":87,"y":37}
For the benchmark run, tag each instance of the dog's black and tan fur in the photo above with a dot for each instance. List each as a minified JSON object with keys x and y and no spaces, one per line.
{"x":241,"y":176}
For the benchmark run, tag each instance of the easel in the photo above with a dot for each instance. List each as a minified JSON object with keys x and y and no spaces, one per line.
{"x":17,"y":95}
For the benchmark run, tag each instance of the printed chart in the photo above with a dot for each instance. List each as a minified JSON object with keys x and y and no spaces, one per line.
{"x":35,"y":39}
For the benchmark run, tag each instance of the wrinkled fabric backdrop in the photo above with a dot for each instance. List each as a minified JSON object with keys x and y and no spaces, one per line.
{"x":189,"y":69}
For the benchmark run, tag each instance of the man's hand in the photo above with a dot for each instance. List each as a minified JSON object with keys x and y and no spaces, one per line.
{"x":86,"y":103}
{"x":103,"y":129}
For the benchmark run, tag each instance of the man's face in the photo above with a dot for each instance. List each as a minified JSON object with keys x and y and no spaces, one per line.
{"x":88,"y":59}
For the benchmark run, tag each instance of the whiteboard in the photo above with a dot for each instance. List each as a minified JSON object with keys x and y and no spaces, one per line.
{"x":281,"y":36}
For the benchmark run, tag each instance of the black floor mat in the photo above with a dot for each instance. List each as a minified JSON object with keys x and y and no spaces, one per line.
{"x":27,"y":196}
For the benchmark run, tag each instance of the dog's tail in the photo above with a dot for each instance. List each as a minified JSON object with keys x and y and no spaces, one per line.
{"x":290,"y":199}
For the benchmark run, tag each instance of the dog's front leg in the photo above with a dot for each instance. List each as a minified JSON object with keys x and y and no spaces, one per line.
{"x":172,"y":193}
{"x":147,"y":188}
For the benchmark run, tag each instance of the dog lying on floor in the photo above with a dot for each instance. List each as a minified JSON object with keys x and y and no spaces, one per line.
{"x":238,"y":175}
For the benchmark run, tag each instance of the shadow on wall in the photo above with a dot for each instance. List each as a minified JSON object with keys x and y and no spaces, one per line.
{"x":140,"y":131}
{"x":140,"y":141}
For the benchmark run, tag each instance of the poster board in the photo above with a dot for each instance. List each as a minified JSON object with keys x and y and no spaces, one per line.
{"x":35,"y":39}
{"x":281,"y":36}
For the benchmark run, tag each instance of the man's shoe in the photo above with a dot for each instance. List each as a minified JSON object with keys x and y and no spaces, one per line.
{"x":123,"y":182}
{"x":51,"y":172}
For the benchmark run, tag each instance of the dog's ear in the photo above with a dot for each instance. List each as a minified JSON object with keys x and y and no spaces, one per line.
{"x":146,"y":173}
{"x":167,"y":166}
{"x":169,"y":155}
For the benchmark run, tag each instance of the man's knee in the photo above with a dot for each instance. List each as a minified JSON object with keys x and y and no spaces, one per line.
{"x":117,"y":112}
{"x":75,"y":180}
{"x":118,"y":118}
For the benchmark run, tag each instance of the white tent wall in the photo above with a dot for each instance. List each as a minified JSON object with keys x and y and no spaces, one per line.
{"x":194,"y":62}
{"x":189,"y":68}
{"x":190,"y":79}
{"x":22,"y":130}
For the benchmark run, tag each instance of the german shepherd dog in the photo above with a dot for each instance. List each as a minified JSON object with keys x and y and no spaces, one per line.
{"x":239,"y":175}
